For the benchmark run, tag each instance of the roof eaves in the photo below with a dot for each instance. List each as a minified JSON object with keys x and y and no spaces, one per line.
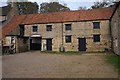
{"x":116,"y":6}
{"x":63,"y":21}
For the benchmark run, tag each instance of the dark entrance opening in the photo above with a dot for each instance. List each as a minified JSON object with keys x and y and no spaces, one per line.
{"x":22,"y":30}
{"x":35,"y":43}
{"x":82,"y":44}
{"x":49,"y":44}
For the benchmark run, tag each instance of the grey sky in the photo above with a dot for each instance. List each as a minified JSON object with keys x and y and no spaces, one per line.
{"x":72,"y":4}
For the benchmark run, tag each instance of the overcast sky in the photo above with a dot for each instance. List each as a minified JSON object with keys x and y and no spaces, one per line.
{"x":72,"y":4}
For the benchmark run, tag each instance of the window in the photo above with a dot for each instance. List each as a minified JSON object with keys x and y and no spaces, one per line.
{"x":96,"y":38}
{"x":49,"y":28}
{"x":96,"y":25}
{"x":35,"y":28}
{"x":68,"y":39}
{"x":68,"y":26}
{"x":12,"y":40}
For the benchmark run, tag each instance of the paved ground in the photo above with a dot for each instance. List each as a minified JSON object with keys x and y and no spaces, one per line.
{"x":42,"y":65}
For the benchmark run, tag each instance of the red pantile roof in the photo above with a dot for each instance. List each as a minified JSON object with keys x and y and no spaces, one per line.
{"x":15,"y":21}
{"x":65,"y":16}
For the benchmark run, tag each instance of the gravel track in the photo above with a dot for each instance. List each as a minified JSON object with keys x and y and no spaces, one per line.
{"x":36,"y":64}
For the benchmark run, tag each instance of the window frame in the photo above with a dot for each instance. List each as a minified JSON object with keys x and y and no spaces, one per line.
{"x":98,"y":39}
{"x":68,"y":38}
{"x":68,"y":28}
{"x":33,"y":29}
{"x":96,"y":26}
{"x":12,"y":39}
{"x":48,"y":27}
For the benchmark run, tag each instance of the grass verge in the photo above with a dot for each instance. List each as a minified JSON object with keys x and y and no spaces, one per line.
{"x":114,"y":60}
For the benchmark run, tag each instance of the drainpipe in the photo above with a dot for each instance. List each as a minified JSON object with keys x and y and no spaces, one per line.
{"x":62,"y":33}
{"x":16,"y":38}
{"x":29,"y":43}
{"x":62,"y":49}
{"x":111,"y":38}
{"x":118,"y":30}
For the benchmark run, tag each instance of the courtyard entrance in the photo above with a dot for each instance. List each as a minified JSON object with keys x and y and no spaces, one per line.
{"x":35,"y":43}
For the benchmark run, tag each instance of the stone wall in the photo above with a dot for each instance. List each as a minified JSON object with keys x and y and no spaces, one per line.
{"x":115,"y":29}
{"x":85,"y":30}
{"x":79,"y":30}
{"x":11,"y":13}
{"x":21,"y":45}
{"x":56,"y":33}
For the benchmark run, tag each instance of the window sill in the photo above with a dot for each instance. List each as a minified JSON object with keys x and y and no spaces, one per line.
{"x":34,"y":32}
{"x":68,"y":42}
{"x":97,"y":42}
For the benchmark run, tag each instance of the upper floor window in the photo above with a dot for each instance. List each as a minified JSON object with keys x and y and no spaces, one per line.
{"x":96,"y":25}
{"x":67,"y":26}
{"x":68,"y":39}
{"x":49,"y":28}
{"x":35,"y":28}
{"x":96,"y":38}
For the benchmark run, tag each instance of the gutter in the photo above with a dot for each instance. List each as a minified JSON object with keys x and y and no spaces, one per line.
{"x":62,"y":33}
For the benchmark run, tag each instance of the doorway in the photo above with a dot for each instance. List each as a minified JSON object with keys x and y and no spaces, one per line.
{"x":49,"y":44}
{"x":82,"y":44}
{"x":35,"y":43}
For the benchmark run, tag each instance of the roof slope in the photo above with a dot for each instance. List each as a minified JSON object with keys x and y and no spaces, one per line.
{"x":15,"y":21}
{"x":51,"y":17}
{"x":116,"y":7}
{"x":65,"y":16}
{"x":96,"y":14}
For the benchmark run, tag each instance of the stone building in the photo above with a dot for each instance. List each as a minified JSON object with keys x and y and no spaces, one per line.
{"x":82,"y":30}
{"x":7,"y":12}
{"x":3,"y":15}
{"x":11,"y":36}
{"x":115,"y":29}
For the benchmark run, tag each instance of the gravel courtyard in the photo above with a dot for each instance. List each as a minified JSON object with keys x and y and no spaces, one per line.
{"x":36,"y":64}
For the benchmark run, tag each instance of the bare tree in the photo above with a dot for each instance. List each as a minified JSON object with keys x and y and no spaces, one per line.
{"x":82,"y":8}
{"x":102,"y":4}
